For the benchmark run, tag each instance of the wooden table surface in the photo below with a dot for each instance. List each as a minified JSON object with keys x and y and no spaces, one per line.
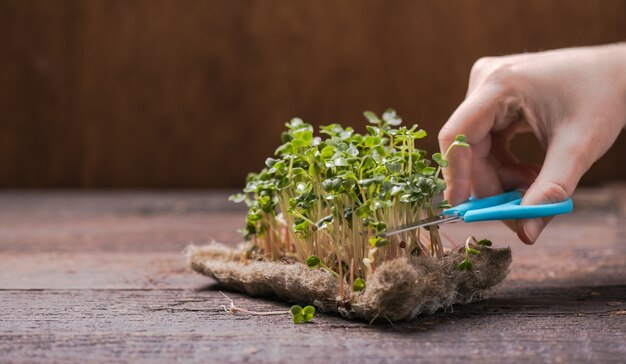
{"x":99,"y":276}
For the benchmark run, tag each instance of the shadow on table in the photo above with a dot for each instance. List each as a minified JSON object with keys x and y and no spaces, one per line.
{"x":521,"y":301}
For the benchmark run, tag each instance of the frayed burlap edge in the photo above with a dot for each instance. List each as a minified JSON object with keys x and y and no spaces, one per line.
{"x":398,"y":290}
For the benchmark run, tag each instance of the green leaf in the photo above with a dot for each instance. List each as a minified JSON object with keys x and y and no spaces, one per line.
{"x":372,"y":130}
{"x":461,"y":138}
{"x":352,"y":151}
{"x":379,"y":226}
{"x":465,"y":265}
{"x":378,"y":241}
{"x":324,"y":220}
{"x":298,"y":319}
{"x":301,"y":226}
{"x":308,"y":310}
{"x":393,"y":167}
{"x":429,"y":171}
{"x":371,"y":141}
{"x":341,"y":162}
{"x":420,"y":134}
{"x":471,"y":251}
{"x":391,"y":117}
{"x":271,"y":161}
{"x":363,"y":211}
{"x":313,"y":262}
{"x":327,"y":152}
{"x":359,"y":285}
{"x":381,"y":243}
{"x":301,"y":315}
{"x":437,"y":157}
{"x":296,"y":309}
{"x":371,"y":117}
{"x":295,"y":123}
{"x":461,"y":141}
{"x":240,"y":197}
{"x":444,"y":205}
{"x":484,"y":242}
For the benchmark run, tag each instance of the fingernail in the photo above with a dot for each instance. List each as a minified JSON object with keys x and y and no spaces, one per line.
{"x":532,"y":229}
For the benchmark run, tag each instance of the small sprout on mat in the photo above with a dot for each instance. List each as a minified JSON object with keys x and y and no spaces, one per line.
{"x":302,"y":315}
{"x":466,"y":264}
{"x":359,"y":284}
{"x":471,"y":251}
{"x":314,"y":262}
{"x":484,"y":242}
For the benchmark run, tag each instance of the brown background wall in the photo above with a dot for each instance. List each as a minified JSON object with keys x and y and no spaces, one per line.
{"x":195,"y":93}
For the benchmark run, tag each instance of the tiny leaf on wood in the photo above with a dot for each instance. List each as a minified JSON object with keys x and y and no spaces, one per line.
{"x":302,"y":315}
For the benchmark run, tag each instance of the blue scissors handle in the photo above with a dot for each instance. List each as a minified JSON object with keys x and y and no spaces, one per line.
{"x":506,"y":206}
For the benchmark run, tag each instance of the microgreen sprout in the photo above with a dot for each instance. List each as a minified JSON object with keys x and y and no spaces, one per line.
{"x":299,"y":314}
{"x":466,"y":264}
{"x":302,"y":315}
{"x":359,"y":284}
{"x":329,"y":196}
{"x":315,"y":262}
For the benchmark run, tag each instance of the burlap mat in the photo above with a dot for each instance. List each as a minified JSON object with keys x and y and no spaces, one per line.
{"x":398,"y":290}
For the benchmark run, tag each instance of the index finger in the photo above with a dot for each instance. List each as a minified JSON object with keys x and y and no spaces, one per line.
{"x":475,"y":118}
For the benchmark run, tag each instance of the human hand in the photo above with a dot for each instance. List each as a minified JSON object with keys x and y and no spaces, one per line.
{"x":573,"y":100}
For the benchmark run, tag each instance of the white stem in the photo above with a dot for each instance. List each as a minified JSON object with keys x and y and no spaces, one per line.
{"x":234,"y":309}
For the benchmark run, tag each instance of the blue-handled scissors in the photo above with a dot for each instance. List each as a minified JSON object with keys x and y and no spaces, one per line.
{"x":505,"y":206}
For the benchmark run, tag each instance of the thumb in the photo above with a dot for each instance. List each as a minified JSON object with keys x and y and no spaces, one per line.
{"x":563,"y":167}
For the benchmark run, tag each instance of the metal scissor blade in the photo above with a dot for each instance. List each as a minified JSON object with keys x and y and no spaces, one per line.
{"x":435,"y":220}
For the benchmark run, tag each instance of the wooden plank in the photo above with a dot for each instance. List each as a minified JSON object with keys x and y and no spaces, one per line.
{"x":115,"y":221}
{"x":104,"y":270}
{"x":555,"y":325}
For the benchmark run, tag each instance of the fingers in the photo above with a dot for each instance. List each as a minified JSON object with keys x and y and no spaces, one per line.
{"x":510,"y":172}
{"x":474,"y":118}
{"x":516,"y":176}
{"x":563,"y":167}
{"x":485,"y":180}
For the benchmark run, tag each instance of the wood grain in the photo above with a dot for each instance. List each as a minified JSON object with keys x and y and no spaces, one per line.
{"x":143,"y":93}
{"x":549,"y":325}
{"x":99,"y":276}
